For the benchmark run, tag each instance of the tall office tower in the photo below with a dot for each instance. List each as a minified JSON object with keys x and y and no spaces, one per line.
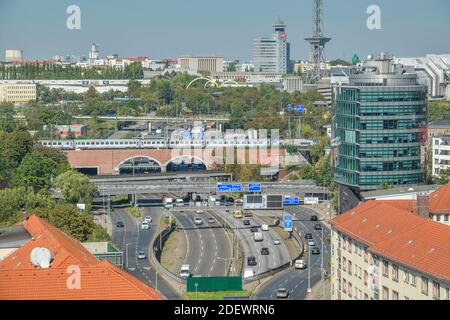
{"x":94,"y":54}
{"x":380,"y":127}
{"x":272,"y":54}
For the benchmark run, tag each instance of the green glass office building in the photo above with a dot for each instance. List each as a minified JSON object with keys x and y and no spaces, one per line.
{"x":379,"y":125}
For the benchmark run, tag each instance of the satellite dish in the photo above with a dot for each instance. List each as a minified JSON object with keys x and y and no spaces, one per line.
{"x":41,"y":257}
{"x":370,"y":57}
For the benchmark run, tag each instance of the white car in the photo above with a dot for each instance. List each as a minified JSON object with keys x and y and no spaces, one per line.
{"x":179,"y":202}
{"x":311,"y":243}
{"x":198,"y":221}
{"x":300,"y":264}
{"x":148,"y":219}
{"x":199,"y":212}
{"x":141,"y":255}
{"x":145,"y":226}
{"x":277,"y":242}
{"x":282,"y":293}
{"x":265,"y":227}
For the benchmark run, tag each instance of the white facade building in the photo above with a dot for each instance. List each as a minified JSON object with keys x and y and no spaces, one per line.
{"x":441,"y":154}
{"x":432,"y":70}
{"x":272,"y":54}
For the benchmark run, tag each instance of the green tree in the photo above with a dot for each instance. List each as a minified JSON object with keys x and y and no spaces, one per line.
{"x":444,"y":177}
{"x":76,"y":187}
{"x":35,"y":171}
{"x":69,"y":219}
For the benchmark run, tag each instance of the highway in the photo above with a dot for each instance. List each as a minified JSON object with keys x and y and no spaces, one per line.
{"x":132,"y":239}
{"x":205,"y":244}
{"x":296,"y":281}
{"x":278,"y":254}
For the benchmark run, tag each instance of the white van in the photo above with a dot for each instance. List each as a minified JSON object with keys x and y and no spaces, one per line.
{"x":265,"y":227}
{"x":258,"y":236}
{"x":248,"y":273}
{"x":185,"y":271}
{"x":168,"y":203}
{"x":179,"y":202}
{"x":300,"y":264}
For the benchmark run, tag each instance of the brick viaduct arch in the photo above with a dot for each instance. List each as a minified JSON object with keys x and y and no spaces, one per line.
{"x":107,"y":161}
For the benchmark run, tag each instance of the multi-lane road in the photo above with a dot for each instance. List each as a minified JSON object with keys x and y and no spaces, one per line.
{"x":297,"y":281}
{"x":278,"y":254}
{"x":208,"y":246}
{"x":131,"y":239}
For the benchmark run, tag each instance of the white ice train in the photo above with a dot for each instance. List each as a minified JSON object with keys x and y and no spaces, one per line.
{"x":156,"y":143}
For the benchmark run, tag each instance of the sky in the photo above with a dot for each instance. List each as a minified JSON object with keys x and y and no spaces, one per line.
{"x":170,"y":28}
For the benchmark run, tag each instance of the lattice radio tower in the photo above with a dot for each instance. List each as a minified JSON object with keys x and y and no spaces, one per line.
{"x":317,"y":41}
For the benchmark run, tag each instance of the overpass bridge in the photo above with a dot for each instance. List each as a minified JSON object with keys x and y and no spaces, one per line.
{"x":169,"y":176}
{"x":134,"y":188}
{"x":149,"y":118}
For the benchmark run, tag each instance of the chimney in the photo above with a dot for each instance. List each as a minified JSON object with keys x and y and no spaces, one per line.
{"x":423,"y":206}
{"x":24,"y":215}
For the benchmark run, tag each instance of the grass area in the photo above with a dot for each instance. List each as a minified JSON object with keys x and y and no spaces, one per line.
{"x":291,"y":244}
{"x":174,"y":252}
{"x":215,"y":295}
{"x":119,"y":199}
{"x":135,"y":212}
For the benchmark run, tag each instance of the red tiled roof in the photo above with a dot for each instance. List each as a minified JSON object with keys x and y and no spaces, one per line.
{"x":440,"y":200}
{"x":20,"y":280}
{"x":375,"y":221}
{"x":392,"y":229}
{"x":425,"y":247}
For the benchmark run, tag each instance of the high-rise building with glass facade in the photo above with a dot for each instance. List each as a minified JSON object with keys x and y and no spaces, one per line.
{"x":379,"y":125}
{"x":272,"y":54}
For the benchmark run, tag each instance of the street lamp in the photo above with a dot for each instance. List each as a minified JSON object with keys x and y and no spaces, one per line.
{"x":126,"y":249}
{"x":196,"y":291}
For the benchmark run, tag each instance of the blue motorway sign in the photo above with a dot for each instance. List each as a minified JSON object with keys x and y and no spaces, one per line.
{"x":288,"y":222}
{"x":287,"y":200}
{"x":291,"y":201}
{"x":254,"y":187}
{"x":299,"y":109}
{"x":228,"y":187}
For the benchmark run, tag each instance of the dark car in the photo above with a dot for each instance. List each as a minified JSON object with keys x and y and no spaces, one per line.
{"x":315,"y":250}
{"x":308,"y":236}
{"x":254,"y":229}
{"x":251,"y":261}
{"x":120,"y":224}
{"x":246,"y":222}
{"x":317,"y":227}
{"x":314,"y":218}
{"x":265,"y":251}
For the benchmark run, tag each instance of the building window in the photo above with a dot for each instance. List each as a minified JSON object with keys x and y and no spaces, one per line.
{"x":413,"y":280}
{"x":344,"y":264}
{"x":425,"y":286}
{"x":385,"y":268}
{"x":366,"y":296}
{"x":366,"y":278}
{"x":395,"y":273}
{"x":366,"y":256}
{"x":394,"y":295}
{"x":385,"y":293}
{"x":447,"y":294}
{"x":350,"y":290}
{"x":406,"y":280}
{"x":436,"y":290}
{"x":446,"y":217}
{"x":350,"y":272}
{"x":344,"y":286}
{"x":406,"y":298}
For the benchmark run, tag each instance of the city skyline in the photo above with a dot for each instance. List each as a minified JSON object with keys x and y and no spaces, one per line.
{"x":159,"y":30}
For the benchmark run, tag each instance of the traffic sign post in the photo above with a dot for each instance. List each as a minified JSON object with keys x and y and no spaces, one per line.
{"x":287,"y":223}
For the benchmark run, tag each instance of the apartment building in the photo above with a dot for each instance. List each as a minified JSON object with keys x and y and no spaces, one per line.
{"x":202,"y":64}
{"x":17,"y":92}
{"x":391,"y":250}
{"x":441,"y":154}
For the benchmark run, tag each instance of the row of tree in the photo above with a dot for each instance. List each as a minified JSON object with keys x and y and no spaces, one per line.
{"x":53,"y":71}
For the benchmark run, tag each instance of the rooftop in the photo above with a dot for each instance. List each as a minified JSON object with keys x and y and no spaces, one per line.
{"x":21,"y":280}
{"x":393,"y":229}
